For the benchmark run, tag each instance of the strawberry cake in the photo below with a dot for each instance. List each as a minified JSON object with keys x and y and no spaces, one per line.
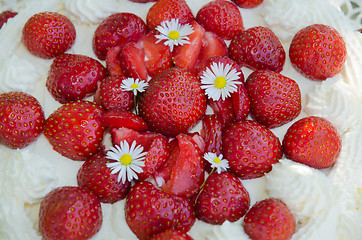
{"x":321,"y":199}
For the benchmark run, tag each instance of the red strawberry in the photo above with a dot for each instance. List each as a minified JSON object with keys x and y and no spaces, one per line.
{"x":318,"y":52}
{"x":258,"y":48}
{"x":112,"y":96}
{"x":221,"y":17}
{"x":48,"y":34}
{"x":4,"y":16}
{"x":143,"y":1}
{"x":223,"y":198}
{"x":211,"y":132}
{"x":121,"y":118}
{"x":21,"y":119}
{"x":173,"y":103}
{"x":74,"y":77}
{"x":241,"y":103}
{"x":224,"y":109}
{"x":269,"y":219}
{"x":171,"y":235}
{"x":164,"y":10}
{"x":248,"y":3}
{"x":125,"y":134}
{"x":313,"y":141}
{"x":187,"y":173}
{"x":70,"y":213}
{"x":112,"y":61}
{"x":150,"y":211}
{"x":116,"y":30}
{"x":225,"y":60}
{"x":274,"y":98}
{"x":251,"y":149}
{"x":145,"y":57}
{"x":74,"y":130}
{"x":95,"y":176}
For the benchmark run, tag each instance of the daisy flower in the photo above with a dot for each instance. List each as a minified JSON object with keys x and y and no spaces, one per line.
{"x":174,"y":33}
{"x":134,"y":85}
{"x":220,"y":81}
{"x":217,"y":162}
{"x":128,"y":160}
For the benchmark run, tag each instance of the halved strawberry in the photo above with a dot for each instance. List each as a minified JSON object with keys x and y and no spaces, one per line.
{"x":5,"y":15}
{"x":116,"y":30}
{"x":21,"y":119}
{"x":121,"y":118}
{"x":112,"y":61}
{"x":150,"y":211}
{"x":251,"y":149}
{"x":75,"y":130}
{"x":70,"y":213}
{"x":73,"y":77}
{"x":221,"y":17}
{"x":223,"y":198}
{"x":258,"y":48}
{"x":173,"y":103}
{"x":211,"y":132}
{"x":248,"y":3}
{"x":164,"y":10}
{"x":95,"y":176}
{"x":125,"y":134}
{"x":241,"y":103}
{"x":224,"y":110}
{"x":313,"y":141}
{"x":269,"y":219}
{"x":112,"y":96}
{"x":48,"y":34}
{"x":187,"y":173}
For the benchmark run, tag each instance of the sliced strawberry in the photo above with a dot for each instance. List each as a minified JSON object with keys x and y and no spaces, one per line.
{"x":318,"y":52}
{"x":274,"y":98}
{"x":116,"y":30}
{"x":223,"y":198}
{"x":313,"y":141}
{"x":164,"y":10}
{"x":241,"y":103}
{"x":5,"y":15}
{"x":112,"y":61}
{"x":185,"y":56}
{"x":75,"y":130}
{"x":66,"y":212}
{"x":21,"y":119}
{"x":157,"y":154}
{"x":248,"y":3}
{"x":258,"y":48}
{"x":172,"y":235}
{"x":112,"y":96}
{"x":121,"y":134}
{"x":73,"y":77}
{"x":48,"y":34}
{"x":212,"y":46}
{"x":188,"y":170}
{"x":132,"y":60}
{"x":150,"y":211}
{"x":251,"y":149}
{"x":269,"y":219}
{"x":122,"y":118}
{"x":221,"y":17}
{"x":95,"y":176}
{"x":224,"y":110}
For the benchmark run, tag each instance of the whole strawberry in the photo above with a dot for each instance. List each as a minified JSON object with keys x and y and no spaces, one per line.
{"x":258,"y":48}
{"x":248,"y":3}
{"x":95,"y":176}
{"x":221,"y":17}
{"x":70,"y":213}
{"x":21,"y":119}
{"x":274,"y":98}
{"x":318,"y":52}
{"x":116,"y":30}
{"x":75,"y":130}
{"x":173,"y":103}
{"x":150,"y":211}
{"x":74,"y":77}
{"x":164,"y":10}
{"x":5,"y":15}
{"x":48,"y":34}
{"x":269,"y":219}
{"x":223,"y":198}
{"x":313,"y":141}
{"x":251,"y":149}
{"x":171,"y":235}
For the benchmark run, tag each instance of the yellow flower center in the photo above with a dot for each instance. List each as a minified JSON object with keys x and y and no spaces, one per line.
{"x":220,"y":82}
{"x":173,"y":35}
{"x":126,"y":159}
{"x":217,"y":160}
{"x":134,"y":86}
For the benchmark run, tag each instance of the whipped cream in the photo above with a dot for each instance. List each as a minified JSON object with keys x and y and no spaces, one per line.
{"x":326,"y":204}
